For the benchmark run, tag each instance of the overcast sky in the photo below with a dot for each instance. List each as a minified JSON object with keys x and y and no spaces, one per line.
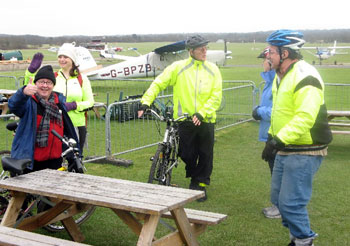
{"x":118,"y":17}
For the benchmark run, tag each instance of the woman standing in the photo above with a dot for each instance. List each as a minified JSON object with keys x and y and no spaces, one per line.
{"x":76,"y":87}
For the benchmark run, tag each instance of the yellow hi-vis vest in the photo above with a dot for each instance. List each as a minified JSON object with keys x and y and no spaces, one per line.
{"x":299,"y":114}
{"x":197,"y":88}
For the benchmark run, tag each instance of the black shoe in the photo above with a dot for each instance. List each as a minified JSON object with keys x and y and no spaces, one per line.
{"x":205,"y":197}
{"x":194,"y":185}
{"x":292,"y":243}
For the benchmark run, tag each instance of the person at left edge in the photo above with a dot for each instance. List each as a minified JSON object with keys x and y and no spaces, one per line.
{"x":40,"y":110}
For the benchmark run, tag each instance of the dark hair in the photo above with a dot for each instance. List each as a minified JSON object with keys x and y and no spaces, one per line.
{"x":293,"y":54}
{"x":74,"y":71}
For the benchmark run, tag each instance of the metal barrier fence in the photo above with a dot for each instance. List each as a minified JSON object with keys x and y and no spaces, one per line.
{"x":9,"y":82}
{"x":113,"y":128}
{"x":337,"y":95}
{"x":126,"y":133}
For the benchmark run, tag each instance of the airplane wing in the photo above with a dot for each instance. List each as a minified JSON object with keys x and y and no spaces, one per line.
{"x":339,"y":47}
{"x":174,"y":47}
{"x":309,"y":48}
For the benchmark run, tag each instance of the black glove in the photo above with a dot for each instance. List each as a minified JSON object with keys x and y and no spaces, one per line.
{"x":271,"y":147}
{"x":142,"y":109}
{"x":199,"y":116}
{"x":255,"y":114}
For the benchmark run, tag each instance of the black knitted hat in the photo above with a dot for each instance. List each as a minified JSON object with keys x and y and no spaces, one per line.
{"x":46,"y":72}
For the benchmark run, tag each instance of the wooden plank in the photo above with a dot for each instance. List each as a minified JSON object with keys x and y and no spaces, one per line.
{"x":4,"y":108}
{"x":12,"y":236}
{"x":340,"y":132}
{"x":13,"y":208}
{"x":339,"y":124}
{"x":130,"y":220}
{"x":186,"y":232}
{"x":73,"y":229}
{"x":148,"y":230}
{"x":44,"y":218}
{"x":101,"y":191}
{"x":338,"y":113}
{"x":200,"y":217}
{"x":174,"y":239}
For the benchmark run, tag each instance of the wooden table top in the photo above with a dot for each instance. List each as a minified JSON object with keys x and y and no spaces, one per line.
{"x":7,"y":92}
{"x":339,"y":113}
{"x":103,"y":191}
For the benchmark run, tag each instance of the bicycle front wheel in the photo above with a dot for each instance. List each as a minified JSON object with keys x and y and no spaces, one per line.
{"x":156,"y":172}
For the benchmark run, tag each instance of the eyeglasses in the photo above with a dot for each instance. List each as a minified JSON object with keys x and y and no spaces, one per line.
{"x":47,"y":82}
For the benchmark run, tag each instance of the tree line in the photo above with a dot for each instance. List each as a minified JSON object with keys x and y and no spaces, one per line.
{"x":8,"y":42}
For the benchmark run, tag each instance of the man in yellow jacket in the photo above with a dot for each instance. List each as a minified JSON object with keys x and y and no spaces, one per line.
{"x":299,"y":133}
{"x":197,"y":91}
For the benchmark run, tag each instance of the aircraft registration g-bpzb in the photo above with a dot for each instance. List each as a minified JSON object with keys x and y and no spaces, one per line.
{"x":148,"y":65}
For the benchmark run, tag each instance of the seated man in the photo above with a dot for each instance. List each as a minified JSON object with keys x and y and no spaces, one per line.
{"x":40,"y":110}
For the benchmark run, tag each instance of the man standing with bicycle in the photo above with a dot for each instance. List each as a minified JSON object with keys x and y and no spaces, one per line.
{"x":197,"y":88}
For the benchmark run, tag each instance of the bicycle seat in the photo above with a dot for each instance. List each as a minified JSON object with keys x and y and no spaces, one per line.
{"x":13,"y":165}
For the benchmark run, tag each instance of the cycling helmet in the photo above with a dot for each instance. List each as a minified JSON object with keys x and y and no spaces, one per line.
{"x":196,"y":41}
{"x":264,"y":53}
{"x":286,"y":38}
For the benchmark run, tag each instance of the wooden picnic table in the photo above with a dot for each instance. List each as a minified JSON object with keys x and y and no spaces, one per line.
{"x":134,"y":202}
{"x":4,"y":105}
{"x":7,"y":93}
{"x":332,"y":114}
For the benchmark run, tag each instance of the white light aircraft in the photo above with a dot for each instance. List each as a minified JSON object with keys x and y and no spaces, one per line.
{"x":148,"y":65}
{"x":323,"y":53}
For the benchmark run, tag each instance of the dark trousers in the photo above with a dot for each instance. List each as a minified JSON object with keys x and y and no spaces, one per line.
{"x":82,"y":136}
{"x":196,"y":150}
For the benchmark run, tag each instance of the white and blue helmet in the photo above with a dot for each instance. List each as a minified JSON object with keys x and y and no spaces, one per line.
{"x":286,"y":38}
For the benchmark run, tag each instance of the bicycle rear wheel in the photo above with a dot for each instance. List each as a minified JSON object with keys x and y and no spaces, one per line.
{"x":58,"y":226}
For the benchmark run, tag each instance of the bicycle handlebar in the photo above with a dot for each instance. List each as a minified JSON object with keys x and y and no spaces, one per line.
{"x":71,"y":144}
{"x":162,"y":118}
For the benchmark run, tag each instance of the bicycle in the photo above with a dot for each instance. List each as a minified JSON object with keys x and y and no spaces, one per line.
{"x":34,"y":203}
{"x":166,"y":156}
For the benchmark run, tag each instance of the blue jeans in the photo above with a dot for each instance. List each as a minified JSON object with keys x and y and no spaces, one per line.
{"x":291,"y":188}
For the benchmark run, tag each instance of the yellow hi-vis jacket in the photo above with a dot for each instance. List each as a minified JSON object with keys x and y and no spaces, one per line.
{"x":197,"y":88}
{"x":299,"y":114}
{"x":74,"y":92}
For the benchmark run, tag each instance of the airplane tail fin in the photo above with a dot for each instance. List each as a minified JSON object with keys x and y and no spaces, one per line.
{"x":333,"y":51}
{"x":85,"y":60}
{"x":227,"y":52}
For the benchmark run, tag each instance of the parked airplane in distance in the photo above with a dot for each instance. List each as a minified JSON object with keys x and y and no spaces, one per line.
{"x":148,"y":65}
{"x":323,"y":53}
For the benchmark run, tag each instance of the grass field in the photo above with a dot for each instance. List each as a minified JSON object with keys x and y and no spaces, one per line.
{"x":239,"y":188}
{"x":240,"y":180}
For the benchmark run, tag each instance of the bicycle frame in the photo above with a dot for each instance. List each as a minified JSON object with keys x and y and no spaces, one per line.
{"x":166,"y":157}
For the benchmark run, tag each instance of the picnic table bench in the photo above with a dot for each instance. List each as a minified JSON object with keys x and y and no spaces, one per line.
{"x":14,"y":237}
{"x":331,"y":114}
{"x":138,"y":205}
